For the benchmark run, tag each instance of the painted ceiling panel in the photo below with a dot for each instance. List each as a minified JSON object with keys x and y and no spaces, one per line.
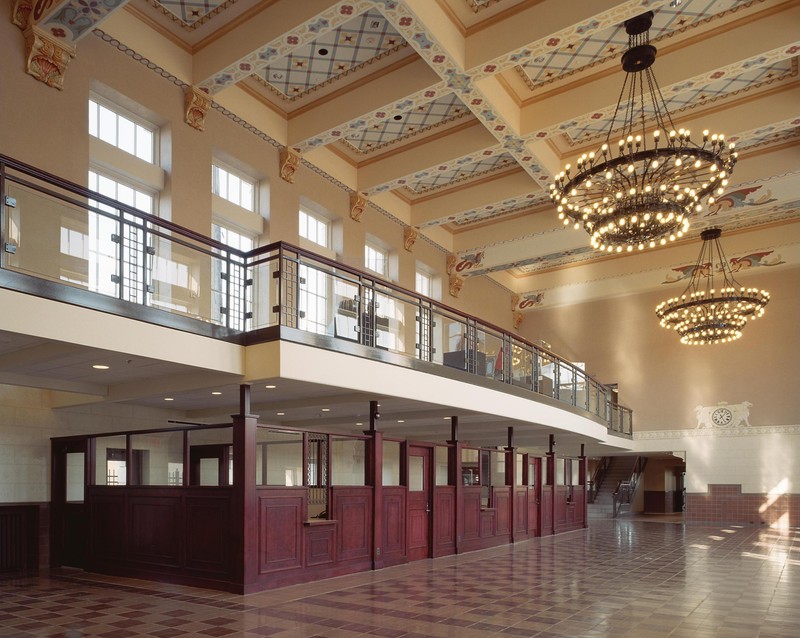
{"x":614,"y":41}
{"x":400,"y":126}
{"x":429,"y":180}
{"x":190,"y":11}
{"x":333,"y":54}
{"x":689,"y":94}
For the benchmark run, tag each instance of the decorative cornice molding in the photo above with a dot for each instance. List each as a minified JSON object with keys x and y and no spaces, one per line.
{"x":753,"y":430}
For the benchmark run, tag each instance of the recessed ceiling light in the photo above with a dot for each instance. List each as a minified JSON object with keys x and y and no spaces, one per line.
{"x":100,"y":366}
{"x":280,"y":413}
{"x":216,"y":393}
{"x":400,"y":421}
{"x":359,"y":423}
{"x":168,"y":399}
{"x":326,"y":409}
{"x":269,"y":387}
{"x":446,"y":418}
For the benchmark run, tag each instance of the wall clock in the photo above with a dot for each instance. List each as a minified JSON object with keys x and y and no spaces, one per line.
{"x":721,"y":416}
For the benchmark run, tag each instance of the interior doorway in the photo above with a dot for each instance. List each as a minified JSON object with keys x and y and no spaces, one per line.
{"x":419,"y":502}
{"x":68,"y":530}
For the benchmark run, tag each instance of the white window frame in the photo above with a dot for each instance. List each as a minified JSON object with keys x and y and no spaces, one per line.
{"x":141,"y":128}
{"x":307,"y":220}
{"x":376,"y":256}
{"x":224,"y":179}
{"x":423,"y":283}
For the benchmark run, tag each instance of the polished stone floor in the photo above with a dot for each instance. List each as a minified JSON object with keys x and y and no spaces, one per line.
{"x":618,"y":578}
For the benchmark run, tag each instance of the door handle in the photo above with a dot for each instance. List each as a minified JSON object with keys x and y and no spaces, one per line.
{"x":428,"y":508}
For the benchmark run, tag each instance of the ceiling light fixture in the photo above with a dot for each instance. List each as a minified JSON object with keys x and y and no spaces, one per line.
{"x":642,"y":190}
{"x":326,"y":409}
{"x":707,"y":312}
{"x":216,"y":393}
{"x":100,"y":366}
{"x":269,"y":387}
{"x":168,"y":399}
{"x":280,"y":413}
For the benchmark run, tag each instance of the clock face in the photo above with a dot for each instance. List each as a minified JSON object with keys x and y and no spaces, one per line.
{"x":721,"y":416}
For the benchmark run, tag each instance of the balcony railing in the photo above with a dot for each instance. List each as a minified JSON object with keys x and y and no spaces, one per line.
{"x":63,"y":237}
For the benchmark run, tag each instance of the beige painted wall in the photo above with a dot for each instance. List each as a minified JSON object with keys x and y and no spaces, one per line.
{"x":661,"y":379}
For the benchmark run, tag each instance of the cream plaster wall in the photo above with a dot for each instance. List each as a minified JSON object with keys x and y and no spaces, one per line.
{"x":764,"y":460}
{"x":662,"y":380}
{"x":27,"y":423}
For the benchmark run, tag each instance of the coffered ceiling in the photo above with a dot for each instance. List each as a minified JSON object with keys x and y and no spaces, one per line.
{"x":452,"y":115}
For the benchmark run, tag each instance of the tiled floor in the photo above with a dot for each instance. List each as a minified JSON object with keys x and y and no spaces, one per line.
{"x":629,"y":578}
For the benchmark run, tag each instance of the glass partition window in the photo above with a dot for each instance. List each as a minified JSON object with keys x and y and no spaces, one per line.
{"x":416,"y":473}
{"x":391,"y":463}
{"x":518,"y":478}
{"x":547,"y":478}
{"x":498,"y":468}
{"x":470,"y":471}
{"x":75,"y":477}
{"x":441,"y":460}
{"x":110,"y":453}
{"x":560,"y":471}
{"x":160,"y":455}
{"x":348,"y":461}
{"x":531,"y":472}
{"x":211,"y":457}
{"x":281,"y":458}
{"x":574,"y":471}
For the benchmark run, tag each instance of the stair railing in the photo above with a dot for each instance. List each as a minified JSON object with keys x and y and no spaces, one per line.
{"x":626,"y":489}
{"x":596,"y":482}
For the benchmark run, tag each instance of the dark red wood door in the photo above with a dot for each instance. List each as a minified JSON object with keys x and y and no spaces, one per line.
{"x":68,"y":528}
{"x":533,"y":480}
{"x":419,"y":502}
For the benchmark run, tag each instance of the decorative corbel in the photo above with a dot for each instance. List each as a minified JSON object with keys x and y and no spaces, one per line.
{"x":451,"y":263}
{"x":515,"y":299}
{"x":358,"y":203}
{"x":46,"y":58}
{"x":289,"y":161}
{"x":20,"y":13}
{"x":196,"y":104}
{"x":456,"y":283}
{"x":517,"y":319}
{"x":410,"y":235}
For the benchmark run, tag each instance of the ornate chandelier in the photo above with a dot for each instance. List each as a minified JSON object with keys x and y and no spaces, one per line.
{"x":641,"y":190}
{"x":707,"y":312}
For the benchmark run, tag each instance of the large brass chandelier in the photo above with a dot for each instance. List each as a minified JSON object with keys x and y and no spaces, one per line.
{"x":714,"y":308}
{"x":640,"y":191}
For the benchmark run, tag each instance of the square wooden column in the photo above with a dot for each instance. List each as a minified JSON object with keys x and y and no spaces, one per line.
{"x":244,"y":523}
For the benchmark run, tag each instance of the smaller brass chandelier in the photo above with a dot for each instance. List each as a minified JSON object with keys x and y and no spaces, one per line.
{"x":707,"y":312}
{"x":641,"y":191}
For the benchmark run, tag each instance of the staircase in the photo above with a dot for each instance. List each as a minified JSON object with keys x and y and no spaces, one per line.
{"x":619,"y":469}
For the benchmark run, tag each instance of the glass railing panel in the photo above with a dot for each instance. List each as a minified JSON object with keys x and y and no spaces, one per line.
{"x":61,"y":241}
{"x":581,"y":390}
{"x":396,"y":325}
{"x":263,"y":271}
{"x":450,"y":346}
{"x":348,"y":314}
{"x":521,"y":364}
{"x":188,"y":280}
{"x":595,"y":406}
{"x":546,"y":382}
{"x":490,"y":355}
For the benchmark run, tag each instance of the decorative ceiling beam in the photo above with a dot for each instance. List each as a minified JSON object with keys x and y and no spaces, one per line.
{"x":444,"y":207}
{"x":414,"y":163}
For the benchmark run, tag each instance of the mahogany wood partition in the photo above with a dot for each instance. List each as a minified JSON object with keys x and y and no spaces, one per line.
{"x":180,"y":535}
{"x":245,"y":537}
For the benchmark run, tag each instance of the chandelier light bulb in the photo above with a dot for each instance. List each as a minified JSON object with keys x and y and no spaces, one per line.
{"x":645,"y":192}
{"x":707,"y":314}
